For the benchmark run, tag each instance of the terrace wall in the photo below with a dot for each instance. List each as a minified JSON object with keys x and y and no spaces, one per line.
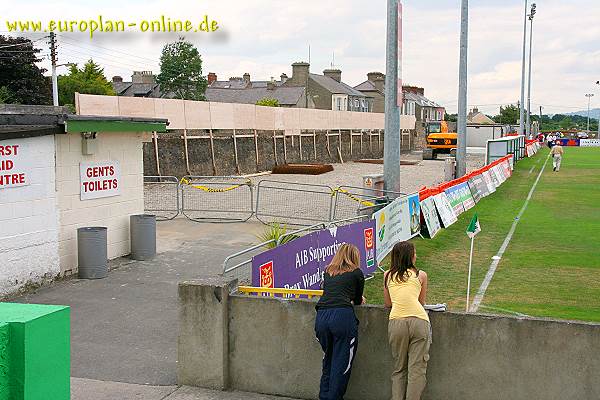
{"x":267,"y":345}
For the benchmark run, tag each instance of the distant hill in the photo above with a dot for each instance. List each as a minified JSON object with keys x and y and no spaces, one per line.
{"x":593,"y":113}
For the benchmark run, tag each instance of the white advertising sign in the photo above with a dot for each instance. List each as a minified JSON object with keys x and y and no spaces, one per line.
{"x":102,"y":179}
{"x":430,"y":214}
{"x":589,"y":142}
{"x":14,"y":164}
{"x":444,"y":209}
{"x":487,"y":177}
{"x":398,"y":221}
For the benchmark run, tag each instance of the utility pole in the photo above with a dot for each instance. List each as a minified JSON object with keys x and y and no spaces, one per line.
{"x":461,"y":145}
{"x":531,"y":15}
{"x":540,"y":124}
{"x":393,"y":97}
{"x":522,"y":103}
{"x":53,"y":60}
{"x":589,"y":96}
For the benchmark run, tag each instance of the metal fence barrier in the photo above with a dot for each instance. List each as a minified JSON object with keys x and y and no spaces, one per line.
{"x":293,"y":203}
{"x":216,"y":199}
{"x":352,"y":201}
{"x":161,"y":196}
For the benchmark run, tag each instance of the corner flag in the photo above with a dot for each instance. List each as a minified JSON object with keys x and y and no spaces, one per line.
{"x":474,"y":228}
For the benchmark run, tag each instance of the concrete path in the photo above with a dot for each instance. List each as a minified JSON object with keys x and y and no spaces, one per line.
{"x":124,"y":328}
{"x":89,"y":389}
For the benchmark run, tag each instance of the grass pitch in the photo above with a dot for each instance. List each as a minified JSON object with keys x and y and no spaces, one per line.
{"x":551,"y":267}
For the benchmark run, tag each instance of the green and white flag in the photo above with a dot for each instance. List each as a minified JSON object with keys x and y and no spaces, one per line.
{"x":474,"y":227}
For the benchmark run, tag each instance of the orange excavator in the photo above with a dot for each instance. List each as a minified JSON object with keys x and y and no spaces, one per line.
{"x":439,"y":140}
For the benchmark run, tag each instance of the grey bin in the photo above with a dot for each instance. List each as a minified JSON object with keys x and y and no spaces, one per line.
{"x":91,"y":252}
{"x":143,"y":236}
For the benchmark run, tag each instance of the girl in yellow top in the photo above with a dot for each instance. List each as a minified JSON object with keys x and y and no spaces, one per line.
{"x":405,"y":289}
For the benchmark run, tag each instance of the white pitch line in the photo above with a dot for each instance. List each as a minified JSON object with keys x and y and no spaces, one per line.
{"x":496,"y":260}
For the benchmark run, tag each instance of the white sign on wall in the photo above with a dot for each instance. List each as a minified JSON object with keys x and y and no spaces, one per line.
{"x":398,"y":221}
{"x":589,"y":142}
{"x":445,"y":210}
{"x":430,"y":214}
{"x":14,"y":164}
{"x":102,"y":179}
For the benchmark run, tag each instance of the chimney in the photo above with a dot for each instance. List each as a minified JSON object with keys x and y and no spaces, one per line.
{"x":284,"y":78}
{"x":142,"y":77}
{"x":334,"y":74}
{"x":117,"y":79}
{"x":271,"y":84}
{"x":212,"y":77}
{"x":300,"y":73}
{"x":247,"y":77}
{"x":378,"y":80}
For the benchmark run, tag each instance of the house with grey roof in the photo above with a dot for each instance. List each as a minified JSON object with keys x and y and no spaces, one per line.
{"x":327,"y":91}
{"x":143,"y":84}
{"x":244,"y":90}
{"x":414,"y":100}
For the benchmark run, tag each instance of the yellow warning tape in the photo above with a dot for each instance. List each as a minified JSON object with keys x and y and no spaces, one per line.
{"x":353,"y":197}
{"x":212,"y":190}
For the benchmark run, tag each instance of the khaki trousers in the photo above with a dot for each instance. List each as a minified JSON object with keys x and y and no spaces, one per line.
{"x":409,"y":339}
{"x":556,"y":160}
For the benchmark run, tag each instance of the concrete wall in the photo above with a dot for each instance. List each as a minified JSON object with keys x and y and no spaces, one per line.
{"x":29,"y":220}
{"x":272,"y":349}
{"x":112,"y":212}
{"x":478,"y":135}
{"x":171,"y":151}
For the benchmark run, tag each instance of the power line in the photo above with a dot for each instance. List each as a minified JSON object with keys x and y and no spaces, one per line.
{"x":104,"y":59}
{"x":106,"y":48}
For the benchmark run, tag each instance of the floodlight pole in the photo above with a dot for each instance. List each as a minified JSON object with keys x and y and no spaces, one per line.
{"x":589,"y":96}
{"x":522,"y":104}
{"x":393,"y":97}
{"x":461,"y":144}
{"x":531,"y":15}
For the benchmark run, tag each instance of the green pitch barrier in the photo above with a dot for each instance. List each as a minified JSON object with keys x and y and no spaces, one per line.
{"x":34,"y":352}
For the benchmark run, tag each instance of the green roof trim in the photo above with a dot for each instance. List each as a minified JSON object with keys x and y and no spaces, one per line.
{"x":108,"y":125}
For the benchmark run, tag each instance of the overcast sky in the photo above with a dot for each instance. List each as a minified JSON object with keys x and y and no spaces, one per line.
{"x":263,"y":37}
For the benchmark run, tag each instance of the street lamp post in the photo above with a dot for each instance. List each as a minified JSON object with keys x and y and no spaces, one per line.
{"x":598,"y":134}
{"x":531,"y":15}
{"x":522,"y":104}
{"x":589,"y":96}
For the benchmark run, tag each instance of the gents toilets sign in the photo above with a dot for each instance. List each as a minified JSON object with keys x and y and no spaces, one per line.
{"x":14,"y":164}
{"x":101,"y":179}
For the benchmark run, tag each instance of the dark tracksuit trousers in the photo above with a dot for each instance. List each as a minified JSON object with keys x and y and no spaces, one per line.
{"x":337,"y":332}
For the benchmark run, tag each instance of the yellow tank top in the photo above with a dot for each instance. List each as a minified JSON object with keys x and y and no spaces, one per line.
{"x":405,"y":298}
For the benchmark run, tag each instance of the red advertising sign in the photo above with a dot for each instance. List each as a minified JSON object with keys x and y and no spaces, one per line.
{"x":266,"y":275}
{"x":14,"y":169}
{"x":101,"y":179}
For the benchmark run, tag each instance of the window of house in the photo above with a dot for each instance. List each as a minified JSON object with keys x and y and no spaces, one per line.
{"x":356,"y":103}
{"x":338,"y":102}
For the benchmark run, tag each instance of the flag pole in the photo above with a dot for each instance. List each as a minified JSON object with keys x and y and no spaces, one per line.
{"x":469,"y":278}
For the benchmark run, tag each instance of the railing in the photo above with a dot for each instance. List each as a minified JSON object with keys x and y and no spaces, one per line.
{"x":272,"y":292}
{"x":216,"y":199}
{"x":351,"y":201}
{"x":293,"y":203}
{"x":161,"y":196}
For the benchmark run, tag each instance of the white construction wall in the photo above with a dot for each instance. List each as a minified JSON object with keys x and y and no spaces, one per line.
{"x":28,"y":215}
{"x":187,"y":114}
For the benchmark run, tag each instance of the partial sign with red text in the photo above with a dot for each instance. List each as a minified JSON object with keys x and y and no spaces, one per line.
{"x":14,"y":170}
{"x":101,"y":179}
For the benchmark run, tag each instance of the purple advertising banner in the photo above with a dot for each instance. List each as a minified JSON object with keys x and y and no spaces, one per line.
{"x":300,"y":263}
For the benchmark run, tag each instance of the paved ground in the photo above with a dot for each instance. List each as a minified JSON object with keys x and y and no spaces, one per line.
{"x":124,"y":327}
{"x":89,"y":389}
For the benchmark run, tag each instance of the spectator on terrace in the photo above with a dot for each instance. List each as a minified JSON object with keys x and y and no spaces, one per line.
{"x":557,"y":153}
{"x":409,"y":331}
{"x":336,"y":325}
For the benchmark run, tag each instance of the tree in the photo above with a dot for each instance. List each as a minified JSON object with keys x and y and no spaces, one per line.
{"x":181,"y":71}
{"x":90,"y":80}
{"x":268,"y":102}
{"x":566,"y":123}
{"x":21,"y":80}
{"x":450,"y":117}
{"x":508,"y":115}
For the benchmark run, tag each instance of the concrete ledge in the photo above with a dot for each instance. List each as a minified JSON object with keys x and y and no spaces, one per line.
{"x":271,"y":349}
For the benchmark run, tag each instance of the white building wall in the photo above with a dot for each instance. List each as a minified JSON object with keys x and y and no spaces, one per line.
{"x":29,"y":220}
{"x":111,"y":212}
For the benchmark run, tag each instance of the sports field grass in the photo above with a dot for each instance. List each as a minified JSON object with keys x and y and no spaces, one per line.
{"x":551,"y":267}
